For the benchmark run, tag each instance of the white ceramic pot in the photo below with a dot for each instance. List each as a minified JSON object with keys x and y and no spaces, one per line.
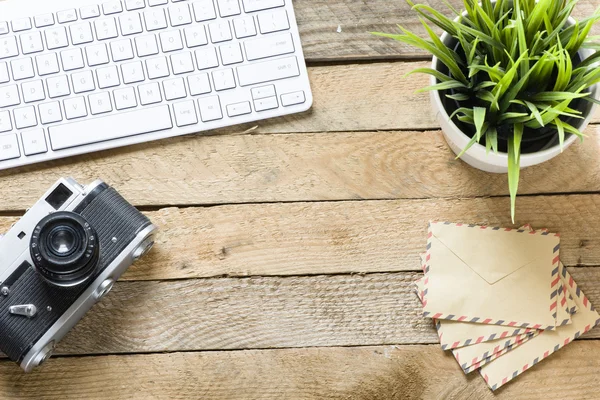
{"x":477,"y":156}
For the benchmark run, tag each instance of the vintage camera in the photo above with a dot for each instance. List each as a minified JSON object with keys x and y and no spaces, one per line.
{"x":63,"y":256}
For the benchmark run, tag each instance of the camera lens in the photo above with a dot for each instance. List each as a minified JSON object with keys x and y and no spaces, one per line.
{"x":64,"y":248}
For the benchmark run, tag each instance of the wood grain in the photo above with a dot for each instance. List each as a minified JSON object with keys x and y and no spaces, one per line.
{"x":299,"y":167}
{"x":359,"y":373}
{"x":318,"y":21}
{"x":264,"y":312}
{"x":342,"y":237}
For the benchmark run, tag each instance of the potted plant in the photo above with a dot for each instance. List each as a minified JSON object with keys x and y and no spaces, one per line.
{"x":513,"y":83}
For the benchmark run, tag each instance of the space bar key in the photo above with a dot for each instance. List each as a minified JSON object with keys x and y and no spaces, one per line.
{"x":110,"y":127}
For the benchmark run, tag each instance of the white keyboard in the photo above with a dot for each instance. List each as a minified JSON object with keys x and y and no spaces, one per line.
{"x":77,"y":77}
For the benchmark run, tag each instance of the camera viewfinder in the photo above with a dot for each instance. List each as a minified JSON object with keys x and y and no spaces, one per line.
{"x":59,"y":196}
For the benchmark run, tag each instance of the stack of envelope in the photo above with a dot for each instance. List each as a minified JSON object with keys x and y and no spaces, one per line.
{"x":500,"y":299}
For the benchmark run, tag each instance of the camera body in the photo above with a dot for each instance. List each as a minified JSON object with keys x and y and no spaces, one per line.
{"x":62,"y":257}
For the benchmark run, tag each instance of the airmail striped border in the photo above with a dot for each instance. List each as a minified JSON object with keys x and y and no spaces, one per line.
{"x":470,"y":365}
{"x":547,"y":353}
{"x":498,"y":354}
{"x":480,"y":339}
{"x":554,"y":285}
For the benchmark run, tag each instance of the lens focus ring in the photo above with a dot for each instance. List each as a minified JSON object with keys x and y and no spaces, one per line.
{"x":64,"y":248}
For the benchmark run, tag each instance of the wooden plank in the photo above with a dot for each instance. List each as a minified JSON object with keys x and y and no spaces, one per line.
{"x":359,"y":373}
{"x":264,"y":312}
{"x":342,"y":237}
{"x":275,"y":168}
{"x":319,"y":21}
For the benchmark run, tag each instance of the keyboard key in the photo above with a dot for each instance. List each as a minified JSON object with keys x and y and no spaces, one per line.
{"x":204,"y":10}
{"x":195,"y":36}
{"x":174,"y":89}
{"x":125,"y":98}
{"x":206,"y":58}
{"x":263,"y":91}
{"x":291,"y":99}
{"x":171,"y":41}
{"x":83,"y":82}
{"x":157,"y":67}
{"x":273,"y":21}
{"x":180,"y":15}
{"x":155,"y":19}
{"x":9,"y":96}
{"x":5,"y":125}
{"x":96,"y":55}
{"x":100,"y":103}
{"x":210,"y":108}
{"x":121,"y":50}
{"x":66,"y":16}
{"x":131,"y":5}
{"x":58,"y":86}
{"x":22,"y":24}
{"x":106,"y":28}
{"x":267,"y":71}
{"x":8,"y":47}
{"x":108,"y":77}
{"x":257,"y":5}
{"x":72,"y":59}
{"x":131,"y":23}
{"x":149,"y":93}
{"x":25,"y":117}
{"x":34,"y":142}
{"x":227,"y":8}
{"x":9,"y":147}
{"x":220,"y":31}
{"x":43,"y":20}
{"x":50,"y":112}
{"x":33,"y":91}
{"x":81,"y":33}
{"x":3,"y":28}
{"x":31,"y":42}
{"x":244,"y":27}
{"x":146,"y":45}
{"x":199,"y":84}
{"x":132,"y":72}
{"x":112,"y":7}
{"x":22,"y":68}
{"x":87,"y":12}
{"x":153,"y":3}
{"x":223,"y":79}
{"x":182,"y":63}
{"x":231,"y":54}
{"x":56,"y":38}
{"x":4,"y":77}
{"x":234,"y":110}
{"x":47,"y":64}
{"x":268,"y":103}
{"x":185,"y":113}
{"x":110,"y":127}
{"x":75,"y":108}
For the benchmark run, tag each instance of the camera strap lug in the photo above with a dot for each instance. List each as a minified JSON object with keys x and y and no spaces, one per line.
{"x":26,"y":310}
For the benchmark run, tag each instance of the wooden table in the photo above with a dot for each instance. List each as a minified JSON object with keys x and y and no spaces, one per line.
{"x":287,"y":251}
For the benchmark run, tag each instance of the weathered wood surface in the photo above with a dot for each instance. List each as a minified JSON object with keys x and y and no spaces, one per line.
{"x":342,"y":237}
{"x":358,"y":373}
{"x":319,"y":21}
{"x":302,"y":167}
{"x":264,"y":312}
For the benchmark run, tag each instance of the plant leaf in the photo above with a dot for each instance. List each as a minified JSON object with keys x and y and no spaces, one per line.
{"x":514,"y":166}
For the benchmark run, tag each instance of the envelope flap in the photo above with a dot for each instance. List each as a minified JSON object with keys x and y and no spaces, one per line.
{"x":495,"y":253}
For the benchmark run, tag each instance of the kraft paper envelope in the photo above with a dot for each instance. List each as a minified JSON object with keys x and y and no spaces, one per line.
{"x":454,"y":334}
{"x":492,"y":275}
{"x":529,"y":354}
{"x":472,"y":356}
